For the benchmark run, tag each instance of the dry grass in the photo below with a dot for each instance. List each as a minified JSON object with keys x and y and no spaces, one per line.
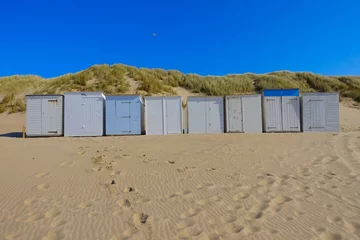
{"x":113,"y":80}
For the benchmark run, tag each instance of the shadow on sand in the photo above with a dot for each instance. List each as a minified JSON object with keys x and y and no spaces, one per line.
{"x":11,"y":135}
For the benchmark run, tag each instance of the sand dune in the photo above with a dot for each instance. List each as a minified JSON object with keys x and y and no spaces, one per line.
{"x":209,"y":187}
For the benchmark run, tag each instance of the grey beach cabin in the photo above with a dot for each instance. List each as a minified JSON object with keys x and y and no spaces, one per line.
{"x":281,"y":110}
{"x":320,"y":112}
{"x":44,"y":115}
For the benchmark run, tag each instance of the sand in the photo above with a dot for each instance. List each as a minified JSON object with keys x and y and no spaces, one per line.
{"x":209,"y":187}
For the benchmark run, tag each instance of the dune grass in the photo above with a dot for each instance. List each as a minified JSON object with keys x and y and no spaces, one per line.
{"x":113,"y":80}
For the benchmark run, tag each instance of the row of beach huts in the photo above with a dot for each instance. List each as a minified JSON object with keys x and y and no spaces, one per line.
{"x":94,"y":114}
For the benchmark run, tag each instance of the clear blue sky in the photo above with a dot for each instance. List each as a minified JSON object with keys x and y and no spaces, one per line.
{"x":50,"y":38}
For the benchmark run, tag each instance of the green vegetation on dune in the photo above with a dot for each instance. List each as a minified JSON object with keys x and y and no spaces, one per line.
{"x":115,"y":80}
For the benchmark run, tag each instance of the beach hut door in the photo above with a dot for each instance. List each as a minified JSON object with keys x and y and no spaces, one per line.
{"x":173,"y":110}
{"x":290,"y":113}
{"x":49,"y":115}
{"x":273,"y":113}
{"x":123,"y":115}
{"x":235,"y":114}
{"x":89,"y":114}
{"x":317,"y":115}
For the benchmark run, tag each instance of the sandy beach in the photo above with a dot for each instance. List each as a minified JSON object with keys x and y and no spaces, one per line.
{"x":208,"y":187}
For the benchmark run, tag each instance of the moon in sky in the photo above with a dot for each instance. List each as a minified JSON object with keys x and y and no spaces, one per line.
{"x":154,"y":34}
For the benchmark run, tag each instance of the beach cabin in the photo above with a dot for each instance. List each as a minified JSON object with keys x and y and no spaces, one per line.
{"x":163,"y":115}
{"x":205,"y":114}
{"x":44,"y":115}
{"x":243,"y":113}
{"x":320,"y":112}
{"x":281,"y":110}
{"x":124,"y":115}
{"x":84,"y":114}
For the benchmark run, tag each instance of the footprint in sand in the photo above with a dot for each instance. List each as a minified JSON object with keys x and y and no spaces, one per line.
{"x":123,"y":203}
{"x":54,"y":234}
{"x":92,"y":214}
{"x":30,"y":201}
{"x":185,"y":223}
{"x":329,"y":236}
{"x":85,"y":205}
{"x":241,"y":196}
{"x":42,"y":175}
{"x":302,"y":188}
{"x":12,"y":236}
{"x":67,"y":164}
{"x":171,"y":195}
{"x":58,"y":223}
{"x":229,"y":228}
{"x":52,"y":213}
{"x":206,"y":186}
{"x":234,"y":207}
{"x":35,"y":217}
{"x":184,"y":192}
{"x":319,"y":229}
{"x":250,"y":229}
{"x":127,"y":234}
{"x":210,"y":169}
{"x":43,"y":186}
{"x":335,"y":220}
{"x":289,"y":218}
{"x":228,"y":219}
{"x":190,"y":213}
{"x":354,"y":227}
{"x":215,"y":198}
{"x":143,"y":200}
{"x":114,"y":173}
{"x":253,"y":215}
{"x":189,"y":232}
{"x":280,"y":199}
{"x":266,"y":182}
{"x":140,"y":218}
{"x":329,"y":159}
{"x":273,"y":231}
{"x":328,"y":205}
